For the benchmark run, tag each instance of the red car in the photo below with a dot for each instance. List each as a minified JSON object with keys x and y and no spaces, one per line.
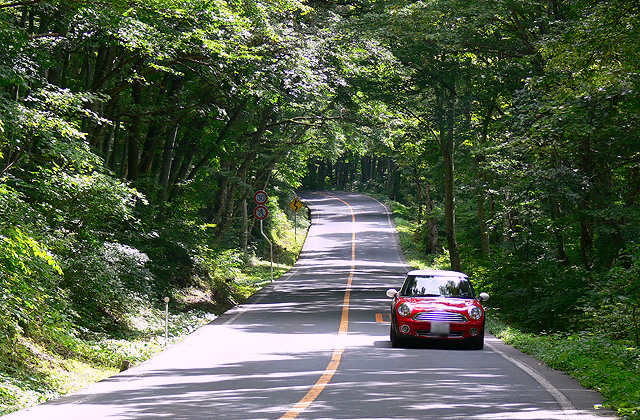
{"x":439,"y":305}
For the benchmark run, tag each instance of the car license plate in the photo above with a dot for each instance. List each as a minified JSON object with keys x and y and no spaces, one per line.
{"x":439,"y":328}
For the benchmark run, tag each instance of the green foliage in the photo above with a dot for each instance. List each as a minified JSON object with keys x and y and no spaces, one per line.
{"x":106,"y":284}
{"x":612,"y":305}
{"x":81,"y":202}
{"x":537,"y":296}
{"x":29,"y":274}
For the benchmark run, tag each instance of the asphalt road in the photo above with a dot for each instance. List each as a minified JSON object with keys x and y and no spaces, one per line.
{"x":315,"y":345}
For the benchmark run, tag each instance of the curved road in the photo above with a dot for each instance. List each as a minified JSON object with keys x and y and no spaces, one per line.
{"x":315,"y":345}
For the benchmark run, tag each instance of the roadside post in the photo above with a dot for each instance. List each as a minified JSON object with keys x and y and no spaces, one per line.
{"x":295,"y":205}
{"x":261,"y":213}
{"x":166,"y":320}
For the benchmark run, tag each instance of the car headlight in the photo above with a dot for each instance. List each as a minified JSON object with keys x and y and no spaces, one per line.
{"x":475,"y":313}
{"x":404,"y":310}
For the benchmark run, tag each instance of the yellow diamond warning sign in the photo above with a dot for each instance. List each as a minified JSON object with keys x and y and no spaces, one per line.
{"x":296,"y":204}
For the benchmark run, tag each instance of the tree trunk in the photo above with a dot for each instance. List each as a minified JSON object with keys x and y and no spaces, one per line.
{"x":112,"y":158}
{"x":107,"y":146}
{"x":416,"y":180}
{"x":228,"y":199}
{"x":134,"y":138}
{"x":558,"y":233}
{"x":167,"y":159}
{"x":221,"y":137}
{"x":123,"y":157}
{"x":244,"y":240}
{"x":132,"y":153}
{"x":364,"y":169}
{"x":450,"y":206}
{"x":481,"y":196}
{"x":485,"y":245}
{"x":322,"y":170}
{"x":447,"y":146}
{"x":153,"y":137}
{"x":586,"y":241}
{"x":633,"y":186}
{"x":431,"y":225}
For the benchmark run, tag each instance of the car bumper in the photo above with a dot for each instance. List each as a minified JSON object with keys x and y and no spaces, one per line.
{"x":455,"y":331}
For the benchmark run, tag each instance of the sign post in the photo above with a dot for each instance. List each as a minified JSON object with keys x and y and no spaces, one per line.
{"x":261,"y":212}
{"x":295,"y":205}
{"x":166,"y":320}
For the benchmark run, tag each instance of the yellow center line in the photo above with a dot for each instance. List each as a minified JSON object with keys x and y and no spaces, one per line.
{"x":332,"y":367}
{"x":385,"y":318}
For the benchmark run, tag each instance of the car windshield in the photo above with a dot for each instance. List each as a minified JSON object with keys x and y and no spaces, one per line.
{"x":458,"y":287}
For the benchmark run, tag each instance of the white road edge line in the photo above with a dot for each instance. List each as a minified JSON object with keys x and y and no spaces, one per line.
{"x":567,"y":407}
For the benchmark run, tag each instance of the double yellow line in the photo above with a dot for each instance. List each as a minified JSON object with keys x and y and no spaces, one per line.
{"x":332,"y":367}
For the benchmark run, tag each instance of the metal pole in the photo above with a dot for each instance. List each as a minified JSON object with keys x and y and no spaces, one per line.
{"x":270,"y":248}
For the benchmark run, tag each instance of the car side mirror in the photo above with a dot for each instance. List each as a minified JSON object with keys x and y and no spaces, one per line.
{"x":484,"y":297}
{"x":392,"y":293}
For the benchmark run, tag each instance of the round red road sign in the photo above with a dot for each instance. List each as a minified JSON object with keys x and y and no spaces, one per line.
{"x":261,"y":212}
{"x":260,"y":197}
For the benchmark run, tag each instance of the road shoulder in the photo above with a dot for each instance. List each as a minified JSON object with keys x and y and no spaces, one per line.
{"x":576,"y":401}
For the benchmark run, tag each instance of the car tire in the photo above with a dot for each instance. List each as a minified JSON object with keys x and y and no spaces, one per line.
{"x":396,"y":341}
{"x":477,"y":343}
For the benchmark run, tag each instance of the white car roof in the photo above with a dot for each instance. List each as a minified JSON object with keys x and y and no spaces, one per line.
{"x":436,"y":273}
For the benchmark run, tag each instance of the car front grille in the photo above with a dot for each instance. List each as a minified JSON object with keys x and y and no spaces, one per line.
{"x":452,"y":334}
{"x":437,"y":316}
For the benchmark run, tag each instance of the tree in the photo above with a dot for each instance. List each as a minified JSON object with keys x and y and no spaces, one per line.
{"x":449,"y":58}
